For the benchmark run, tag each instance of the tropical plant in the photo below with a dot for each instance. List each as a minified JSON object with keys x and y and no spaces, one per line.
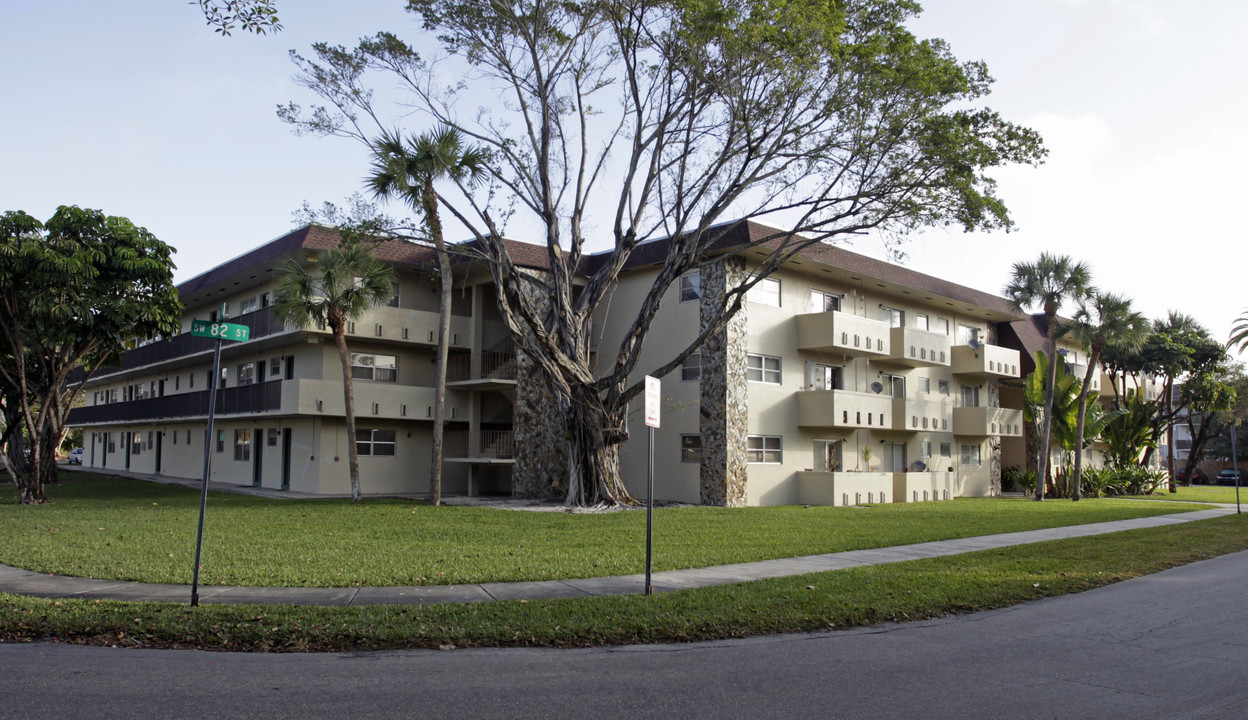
{"x":407,"y":170}
{"x":1239,"y":333}
{"x":1048,"y":283}
{"x":1104,"y":319}
{"x":344,"y":283}
{"x":1129,"y":435}
{"x":1062,"y":396}
{"x":865,"y":453}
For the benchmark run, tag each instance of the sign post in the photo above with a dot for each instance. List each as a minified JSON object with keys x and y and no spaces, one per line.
{"x":220,"y":330}
{"x":654,"y":397}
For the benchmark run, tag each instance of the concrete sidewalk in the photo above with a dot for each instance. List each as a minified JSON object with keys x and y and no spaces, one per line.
{"x":25,"y":582}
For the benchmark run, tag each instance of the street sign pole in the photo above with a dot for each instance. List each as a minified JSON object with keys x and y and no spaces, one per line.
{"x":216,"y":331}
{"x":203,"y":491}
{"x":653,"y":402}
{"x":1235,"y":464}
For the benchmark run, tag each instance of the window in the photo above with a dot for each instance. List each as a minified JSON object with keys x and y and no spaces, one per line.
{"x":150,"y":439}
{"x":272,"y":437}
{"x":942,"y":387}
{"x":248,"y":305}
{"x":690,"y":448}
{"x":375,"y":442}
{"x":970,"y":396}
{"x":823,"y":377}
{"x":690,"y":286}
{"x":824,"y":302}
{"x":925,"y":449}
{"x":925,"y":385}
{"x":691,"y":368}
{"x":968,"y":335}
{"x":275,"y":367}
{"x":369,"y":366}
{"x":220,"y":441}
{"x":828,"y":455}
{"x":112,"y":443}
{"x":136,"y":443}
{"x":970,"y":454}
{"x":763,"y":369}
{"x":290,"y":367}
{"x":921,"y":322}
{"x":225,"y":376}
{"x":394,"y":301}
{"x":942,"y":326}
{"x":242,"y":444}
{"x":946,"y":449}
{"x":264,"y":300}
{"x":764,"y":449}
{"x":766,"y":292}
{"x":892,"y":316}
{"x":246,"y":373}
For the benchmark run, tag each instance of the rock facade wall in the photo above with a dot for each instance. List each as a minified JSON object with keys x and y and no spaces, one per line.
{"x":723,"y":408}
{"x":541,"y":451}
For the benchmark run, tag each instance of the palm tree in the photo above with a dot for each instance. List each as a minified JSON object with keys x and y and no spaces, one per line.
{"x":344,"y":283}
{"x":1102,"y":320}
{"x":408,"y":171}
{"x":1239,"y":332}
{"x":1049,"y":282}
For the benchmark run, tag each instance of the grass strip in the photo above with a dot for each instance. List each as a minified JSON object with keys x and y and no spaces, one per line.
{"x":105,"y":527}
{"x":1199,"y":493}
{"x":911,"y":590}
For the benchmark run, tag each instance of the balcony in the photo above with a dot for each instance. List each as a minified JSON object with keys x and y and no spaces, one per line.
{"x":487,"y":446}
{"x":488,"y":368}
{"x":258,"y":397}
{"x":919,"y":348}
{"x":372,"y":400}
{"x":843,"y":409}
{"x":985,"y":361}
{"x":987,"y":422}
{"x":913,"y":415}
{"x":843,"y":489}
{"x":924,"y":486}
{"x":848,"y":335}
{"x":1080,"y":371}
{"x":402,"y":325}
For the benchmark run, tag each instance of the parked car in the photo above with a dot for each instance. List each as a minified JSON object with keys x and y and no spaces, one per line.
{"x":75,"y":456}
{"x":1227,"y":477}
{"x":1198,"y":476}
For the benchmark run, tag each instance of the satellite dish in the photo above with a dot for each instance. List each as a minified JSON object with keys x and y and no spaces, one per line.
{"x":877,"y":386}
{"x":974,"y":343}
{"x":920,"y":465}
{"x":1062,"y":351}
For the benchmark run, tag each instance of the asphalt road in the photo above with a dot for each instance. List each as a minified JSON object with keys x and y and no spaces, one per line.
{"x":1172,"y":645}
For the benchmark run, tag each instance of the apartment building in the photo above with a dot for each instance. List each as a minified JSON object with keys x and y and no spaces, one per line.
{"x":845,"y":380}
{"x":279,"y":417}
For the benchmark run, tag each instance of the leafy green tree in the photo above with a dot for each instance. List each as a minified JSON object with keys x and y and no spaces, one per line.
{"x":1207,"y":396}
{"x":1048,"y":283}
{"x":75,"y":292}
{"x":635,"y":120}
{"x":1102,"y":320}
{"x":344,"y":283}
{"x":255,"y":16}
{"x":408,"y":170}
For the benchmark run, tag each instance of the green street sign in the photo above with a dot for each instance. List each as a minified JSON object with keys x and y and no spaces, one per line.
{"x":222,"y":330}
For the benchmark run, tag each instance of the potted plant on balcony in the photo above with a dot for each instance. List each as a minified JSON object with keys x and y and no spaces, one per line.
{"x":865,"y":453}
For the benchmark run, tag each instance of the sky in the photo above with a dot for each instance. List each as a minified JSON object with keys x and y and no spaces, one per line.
{"x":137,"y":108}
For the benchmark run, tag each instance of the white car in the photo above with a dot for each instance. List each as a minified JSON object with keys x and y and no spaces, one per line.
{"x":75,"y":456}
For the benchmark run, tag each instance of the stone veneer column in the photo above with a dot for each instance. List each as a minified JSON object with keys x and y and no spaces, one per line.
{"x":723,"y":408}
{"x":541,"y":451}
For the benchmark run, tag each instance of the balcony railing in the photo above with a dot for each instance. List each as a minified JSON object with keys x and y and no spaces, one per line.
{"x":258,"y":397}
{"x":843,"y":409}
{"x":486,"y":444}
{"x":985,"y":361}
{"x":918,"y":348}
{"x":260,"y":321}
{"x":838,"y":332}
{"x":987,"y":421}
{"x":495,"y":365}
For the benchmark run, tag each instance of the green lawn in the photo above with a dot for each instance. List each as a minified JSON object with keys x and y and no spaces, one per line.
{"x":844,"y":598}
{"x":99,"y":526}
{"x":1201,"y":493}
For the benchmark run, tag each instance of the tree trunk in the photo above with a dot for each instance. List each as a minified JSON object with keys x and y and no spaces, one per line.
{"x":439,"y":396}
{"x":1046,"y":432}
{"x":429,"y":200}
{"x":594,"y":434}
{"x":1079,"y":424}
{"x":348,"y":399}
